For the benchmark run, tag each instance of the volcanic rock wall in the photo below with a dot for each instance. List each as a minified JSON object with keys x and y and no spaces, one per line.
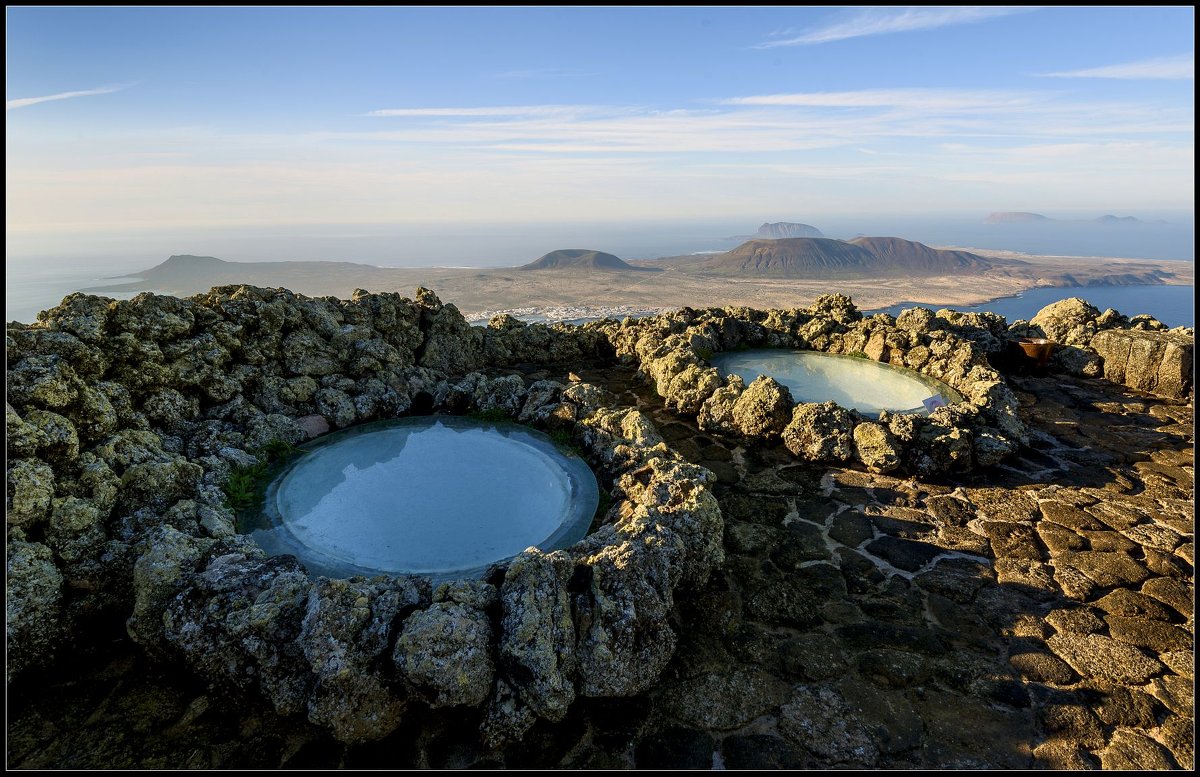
{"x":126,"y":418}
{"x":672,"y":351}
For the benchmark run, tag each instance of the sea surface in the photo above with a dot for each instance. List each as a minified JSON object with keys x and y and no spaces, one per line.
{"x":1172,"y":305}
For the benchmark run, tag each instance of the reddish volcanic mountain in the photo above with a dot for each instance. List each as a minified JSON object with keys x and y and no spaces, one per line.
{"x":807,"y":257}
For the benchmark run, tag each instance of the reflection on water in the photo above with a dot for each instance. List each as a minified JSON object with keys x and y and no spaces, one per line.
{"x":858,"y":383}
{"x":440,"y":496}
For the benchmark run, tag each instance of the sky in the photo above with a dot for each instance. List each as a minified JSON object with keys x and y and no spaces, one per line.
{"x":127,"y":119}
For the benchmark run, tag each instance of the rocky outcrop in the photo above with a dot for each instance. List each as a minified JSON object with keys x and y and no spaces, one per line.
{"x":820,"y":432}
{"x":672,"y":349}
{"x":1138,"y":352}
{"x":1159,"y":363}
{"x":348,"y":628}
{"x":32,"y":603}
{"x":125,"y":419}
{"x":1068,"y":322}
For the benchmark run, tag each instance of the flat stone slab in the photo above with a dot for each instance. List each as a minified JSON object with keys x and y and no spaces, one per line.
{"x":1093,"y":655}
{"x":904,"y":554}
{"x":1155,"y":635}
{"x":1134,"y":604}
{"x":725,"y":700}
{"x":820,"y":720}
{"x":1107,"y":570}
{"x":1132,"y":751}
{"x":1042,"y":668}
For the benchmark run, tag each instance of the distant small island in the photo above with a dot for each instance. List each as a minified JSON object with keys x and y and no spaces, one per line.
{"x":1022,"y":217}
{"x":1015,"y":217}
{"x":785,"y":229}
{"x":781,"y":230}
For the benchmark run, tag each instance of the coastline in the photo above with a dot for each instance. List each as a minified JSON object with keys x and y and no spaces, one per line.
{"x":568,"y":296}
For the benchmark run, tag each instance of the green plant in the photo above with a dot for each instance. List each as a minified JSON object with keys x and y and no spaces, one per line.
{"x":858,"y":355}
{"x":278,"y":450}
{"x":245,"y":487}
{"x":564,"y":441}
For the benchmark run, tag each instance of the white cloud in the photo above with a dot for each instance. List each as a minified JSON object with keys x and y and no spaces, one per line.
{"x":854,"y":150}
{"x":883,"y":21}
{"x":926,"y":99}
{"x":21,"y":102}
{"x":1182,"y":67}
{"x":492,"y":110}
{"x":764,"y":123}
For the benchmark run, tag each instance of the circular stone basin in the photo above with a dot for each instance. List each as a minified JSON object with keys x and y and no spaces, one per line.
{"x":441,"y":496}
{"x":865,"y":385}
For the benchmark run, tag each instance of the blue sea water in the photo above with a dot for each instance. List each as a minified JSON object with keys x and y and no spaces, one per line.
{"x":1172,"y":305}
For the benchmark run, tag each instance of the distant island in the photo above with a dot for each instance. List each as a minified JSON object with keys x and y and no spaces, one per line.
{"x":1021,"y":217}
{"x":786,"y":229}
{"x":193,"y":273}
{"x":1015,"y":217}
{"x":809,"y":257}
{"x":582,"y":259}
{"x":781,"y":230}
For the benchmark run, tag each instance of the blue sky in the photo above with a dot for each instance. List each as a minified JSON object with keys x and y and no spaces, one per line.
{"x":133,"y":118}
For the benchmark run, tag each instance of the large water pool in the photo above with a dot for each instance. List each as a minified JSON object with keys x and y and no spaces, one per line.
{"x":439,"y":496}
{"x":853,"y":382}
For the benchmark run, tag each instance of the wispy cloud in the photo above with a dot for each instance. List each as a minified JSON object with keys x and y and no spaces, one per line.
{"x":22,"y":102}
{"x":480,"y":112}
{"x":929,"y":99}
{"x":1182,"y":67}
{"x":883,"y":21}
{"x":767,"y":123}
{"x":931,"y":147}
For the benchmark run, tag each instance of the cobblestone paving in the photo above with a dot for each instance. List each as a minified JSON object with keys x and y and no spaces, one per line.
{"x":1040,"y":613}
{"x":1037,"y":614}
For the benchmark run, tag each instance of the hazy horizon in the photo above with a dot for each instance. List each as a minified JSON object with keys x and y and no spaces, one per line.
{"x":507,"y":243}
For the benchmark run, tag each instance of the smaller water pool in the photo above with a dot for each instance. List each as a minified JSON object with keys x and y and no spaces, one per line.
{"x":442,"y":496}
{"x":865,"y":385}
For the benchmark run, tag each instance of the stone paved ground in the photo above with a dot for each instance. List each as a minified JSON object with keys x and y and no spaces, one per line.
{"x":1038,"y":614}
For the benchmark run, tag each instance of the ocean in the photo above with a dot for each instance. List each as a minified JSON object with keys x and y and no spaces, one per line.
{"x":1172,"y":305}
